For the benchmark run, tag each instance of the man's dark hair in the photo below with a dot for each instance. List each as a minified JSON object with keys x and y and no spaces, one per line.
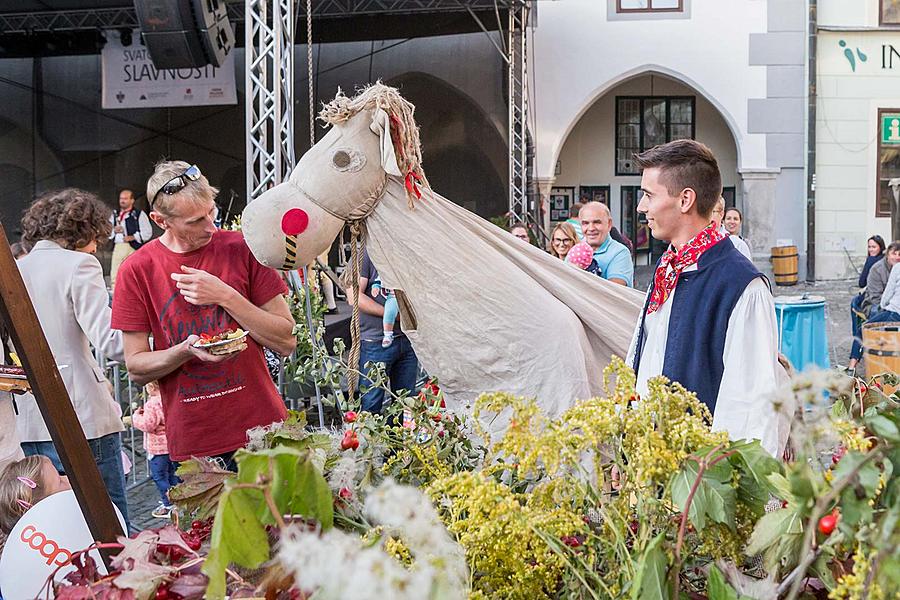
{"x":894,"y":247}
{"x":686,"y":164}
{"x":129,"y":190}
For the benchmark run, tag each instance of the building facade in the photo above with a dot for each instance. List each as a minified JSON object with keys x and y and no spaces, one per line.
{"x":857,"y":129}
{"x":614,"y":77}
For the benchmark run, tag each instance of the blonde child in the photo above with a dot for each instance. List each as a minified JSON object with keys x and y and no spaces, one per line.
{"x":25,"y":482}
{"x":151,"y":420}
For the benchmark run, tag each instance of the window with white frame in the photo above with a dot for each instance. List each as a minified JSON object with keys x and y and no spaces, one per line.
{"x":639,"y":6}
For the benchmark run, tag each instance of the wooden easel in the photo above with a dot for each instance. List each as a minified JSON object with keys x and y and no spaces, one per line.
{"x":17,"y":313}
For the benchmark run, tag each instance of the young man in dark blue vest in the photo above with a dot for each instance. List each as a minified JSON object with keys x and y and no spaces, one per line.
{"x":709,"y":319}
{"x":131,"y":230}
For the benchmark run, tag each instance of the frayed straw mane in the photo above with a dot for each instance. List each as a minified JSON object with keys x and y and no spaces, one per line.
{"x":404,"y":131}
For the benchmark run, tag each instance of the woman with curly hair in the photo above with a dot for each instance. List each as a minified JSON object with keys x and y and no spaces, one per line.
{"x":69,"y":295}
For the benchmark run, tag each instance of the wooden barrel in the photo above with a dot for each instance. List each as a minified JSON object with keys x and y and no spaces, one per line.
{"x":784,"y":263}
{"x":881,"y":343}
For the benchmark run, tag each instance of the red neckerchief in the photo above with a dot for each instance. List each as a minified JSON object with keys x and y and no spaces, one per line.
{"x":665,"y":279}
{"x":123,"y":214}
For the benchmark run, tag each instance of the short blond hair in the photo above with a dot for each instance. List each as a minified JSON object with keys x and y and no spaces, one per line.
{"x":194,"y":193}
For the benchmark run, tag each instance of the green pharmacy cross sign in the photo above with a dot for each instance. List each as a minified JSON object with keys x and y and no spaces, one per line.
{"x":890,"y":129}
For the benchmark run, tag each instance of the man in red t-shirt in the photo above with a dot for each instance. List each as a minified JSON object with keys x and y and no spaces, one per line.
{"x":197,"y":279}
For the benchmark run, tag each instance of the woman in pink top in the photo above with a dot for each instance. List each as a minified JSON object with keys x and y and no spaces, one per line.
{"x":151,"y":420}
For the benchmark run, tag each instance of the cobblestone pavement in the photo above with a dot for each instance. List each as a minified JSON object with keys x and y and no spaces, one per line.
{"x":143,"y":497}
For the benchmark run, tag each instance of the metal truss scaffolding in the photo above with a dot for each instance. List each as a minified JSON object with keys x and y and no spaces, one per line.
{"x":269,"y":37}
{"x":112,"y":18}
{"x":522,"y":207}
{"x":269,"y":31}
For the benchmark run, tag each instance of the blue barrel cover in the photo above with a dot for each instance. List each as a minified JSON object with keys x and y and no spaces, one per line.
{"x":802,"y":334}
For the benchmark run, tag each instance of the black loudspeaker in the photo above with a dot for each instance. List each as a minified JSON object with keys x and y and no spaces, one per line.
{"x":181,"y":34}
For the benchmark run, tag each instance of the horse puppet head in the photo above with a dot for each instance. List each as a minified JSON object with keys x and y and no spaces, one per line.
{"x":340,"y":179}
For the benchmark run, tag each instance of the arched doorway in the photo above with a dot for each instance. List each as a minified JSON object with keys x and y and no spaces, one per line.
{"x":645,"y":110}
{"x":464,"y":154}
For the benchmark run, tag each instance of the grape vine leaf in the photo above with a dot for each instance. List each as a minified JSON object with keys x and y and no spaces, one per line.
{"x":139,"y":571}
{"x":712,"y":499}
{"x":237,"y":537}
{"x":189,"y":586}
{"x":296,"y":480}
{"x":202,"y":482}
{"x":779,"y":536}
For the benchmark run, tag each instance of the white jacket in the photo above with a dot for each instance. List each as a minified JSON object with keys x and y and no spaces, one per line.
{"x":72,"y":305}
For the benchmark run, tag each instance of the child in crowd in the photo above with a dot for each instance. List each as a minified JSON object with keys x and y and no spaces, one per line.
{"x":25,"y":482}
{"x":390,"y":311}
{"x":152,"y":422}
{"x":582,"y":256}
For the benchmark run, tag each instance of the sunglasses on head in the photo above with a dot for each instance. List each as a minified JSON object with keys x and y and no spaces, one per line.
{"x":176,"y":184}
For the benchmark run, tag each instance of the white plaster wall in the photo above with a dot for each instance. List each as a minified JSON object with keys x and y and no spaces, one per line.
{"x":847,"y":132}
{"x":578,"y":56}
{"x":588,"y":155}
{"x":848,"y":13}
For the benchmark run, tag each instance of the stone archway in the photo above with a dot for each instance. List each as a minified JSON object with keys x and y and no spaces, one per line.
{"x":597,"y":149}
{"x":465,"y":156}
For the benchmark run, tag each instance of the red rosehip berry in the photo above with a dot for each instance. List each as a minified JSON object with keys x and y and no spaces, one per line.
{"x":350,"y":416}
{"x":349,"y":441}
{"x":828,"y":523}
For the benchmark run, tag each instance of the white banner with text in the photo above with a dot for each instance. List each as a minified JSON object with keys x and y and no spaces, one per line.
{"x":131,"y":81}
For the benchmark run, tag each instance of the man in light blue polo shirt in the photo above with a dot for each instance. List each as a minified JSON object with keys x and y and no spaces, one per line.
{"x":612,"y":257}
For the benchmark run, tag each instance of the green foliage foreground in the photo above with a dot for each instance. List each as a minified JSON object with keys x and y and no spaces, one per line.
{"x":618,"y":497}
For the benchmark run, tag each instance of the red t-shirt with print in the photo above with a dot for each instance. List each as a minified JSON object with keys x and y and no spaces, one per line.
{"x":208,"y":406}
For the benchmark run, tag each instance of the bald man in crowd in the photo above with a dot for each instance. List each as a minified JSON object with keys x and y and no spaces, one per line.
{"x":612,"y":258}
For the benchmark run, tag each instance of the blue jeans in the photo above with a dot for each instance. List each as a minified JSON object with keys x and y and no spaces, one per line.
{"x":885,"y":316}
{"x":107,"y":452}
{"x":400,"y":363}
{"x":162,"y":470}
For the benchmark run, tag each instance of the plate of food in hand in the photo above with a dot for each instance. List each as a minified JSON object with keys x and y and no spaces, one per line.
{"x":13,"y":379}
{"x":226,"y":342}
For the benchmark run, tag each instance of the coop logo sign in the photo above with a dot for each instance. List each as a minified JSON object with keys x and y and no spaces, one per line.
{"x":856,"y":56}
{"x":131,"y":81}
{"x":45,"y":546}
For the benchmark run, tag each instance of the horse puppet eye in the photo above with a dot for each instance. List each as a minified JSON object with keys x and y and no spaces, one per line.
{"x":348,"y":160}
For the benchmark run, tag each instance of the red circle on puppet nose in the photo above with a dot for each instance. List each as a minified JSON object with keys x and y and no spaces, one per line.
{"x":294,"y":221}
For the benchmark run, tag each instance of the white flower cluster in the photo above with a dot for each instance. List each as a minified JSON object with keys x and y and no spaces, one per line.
{"x":438,"y":571}
{"x":256,"y":437}
{"x":343,"y":474}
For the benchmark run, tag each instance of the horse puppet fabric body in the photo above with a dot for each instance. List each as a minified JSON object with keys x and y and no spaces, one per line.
{"x":483,"y":310}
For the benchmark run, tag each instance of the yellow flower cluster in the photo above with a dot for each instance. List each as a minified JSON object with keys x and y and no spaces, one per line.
{"x":396,"y":548}
{"x":853,"y":437}
{"x":500,"y":531}
{"x":852,"y":586}
{"x":663,"y":429}
{"x":656,"y":433}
